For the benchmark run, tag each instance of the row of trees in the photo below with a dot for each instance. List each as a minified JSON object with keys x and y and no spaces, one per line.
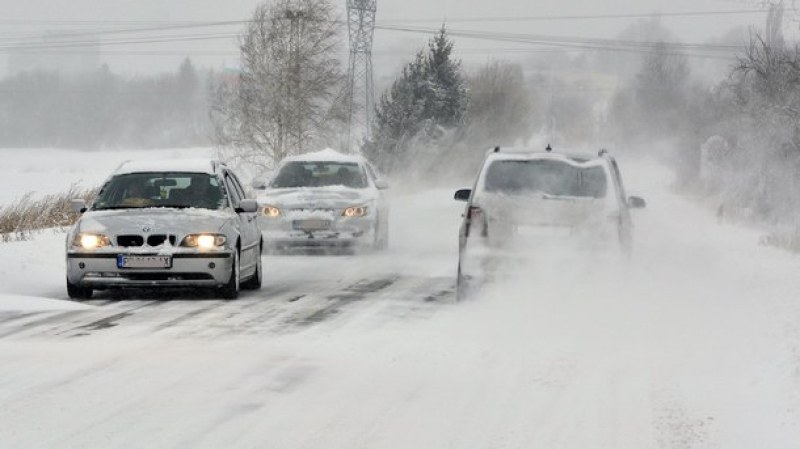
{"x":289,"y":97}
{"x":101,"y":109}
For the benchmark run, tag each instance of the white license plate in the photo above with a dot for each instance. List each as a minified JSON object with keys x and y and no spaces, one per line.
{"x":312,"y":225}
{"x":144,"y":261}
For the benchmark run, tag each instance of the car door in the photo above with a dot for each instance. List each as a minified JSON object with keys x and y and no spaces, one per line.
{"x":248,"y":229}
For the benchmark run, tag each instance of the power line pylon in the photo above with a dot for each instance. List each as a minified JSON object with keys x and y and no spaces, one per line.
{"x":360,"y":89}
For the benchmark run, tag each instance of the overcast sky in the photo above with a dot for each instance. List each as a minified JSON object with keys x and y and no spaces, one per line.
{"x":19,"y":20}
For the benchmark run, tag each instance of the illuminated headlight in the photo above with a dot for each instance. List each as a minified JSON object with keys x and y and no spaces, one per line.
{"x":91,"y":241}
{"x":204,"y":241}
{"x":271,"y":212}
{"x":355,"y":212}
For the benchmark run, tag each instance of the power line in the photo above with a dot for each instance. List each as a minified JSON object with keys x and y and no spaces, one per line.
{"x":174,"y":25}
{"x":587,"y":16}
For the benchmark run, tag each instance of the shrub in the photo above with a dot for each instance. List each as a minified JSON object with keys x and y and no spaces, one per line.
{"x":20,"y":219}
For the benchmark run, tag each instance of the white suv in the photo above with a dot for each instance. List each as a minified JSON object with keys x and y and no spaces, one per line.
{"x":540,"y":197}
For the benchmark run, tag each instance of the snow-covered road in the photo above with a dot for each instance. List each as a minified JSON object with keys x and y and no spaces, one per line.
{"x":693,"y":344}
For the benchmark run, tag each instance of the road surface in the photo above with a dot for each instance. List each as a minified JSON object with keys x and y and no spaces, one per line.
{"x":695,"y":343}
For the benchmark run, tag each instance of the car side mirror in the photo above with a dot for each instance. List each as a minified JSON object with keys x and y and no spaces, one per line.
{"x":636,"y":202}
{"x":247,"y":207}
{"x":463,"y":195}
{"x":78,"y":205}
{"x":380,"y":184}
{"x":259,"y":184}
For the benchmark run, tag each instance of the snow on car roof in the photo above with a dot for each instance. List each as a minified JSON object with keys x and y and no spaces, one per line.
{"x":528,"y":153}
{"x":170,"y":165}
{"x":328,"y":154}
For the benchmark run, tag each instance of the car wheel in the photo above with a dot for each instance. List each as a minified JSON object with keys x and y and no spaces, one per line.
{"x":231,"y":289}
{"x":76,"y":292}
{"x":254,"y":283}
{"x":462,"y":289}
{"x":381,"y":236}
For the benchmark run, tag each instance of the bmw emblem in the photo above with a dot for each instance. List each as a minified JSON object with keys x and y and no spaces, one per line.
{"x":146,"y":229}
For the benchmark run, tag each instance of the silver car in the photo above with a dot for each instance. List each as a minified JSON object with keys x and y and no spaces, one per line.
{"x":166,"y":224}
{"x":323,"y":200}
{"x":525,"y":200}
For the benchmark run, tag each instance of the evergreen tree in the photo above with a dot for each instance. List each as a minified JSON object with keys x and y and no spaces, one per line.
{"x":426,"y":100}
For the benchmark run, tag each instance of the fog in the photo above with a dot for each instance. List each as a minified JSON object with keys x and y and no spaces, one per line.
{"x":23,"y":21}
{"x":687,"y":341}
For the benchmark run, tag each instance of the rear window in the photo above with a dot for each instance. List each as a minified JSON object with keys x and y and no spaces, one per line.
{"x":320,"y":174}
{"x":545,"y":176}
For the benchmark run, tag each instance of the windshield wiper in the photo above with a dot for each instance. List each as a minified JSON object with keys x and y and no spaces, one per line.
{"x":117,"y":207}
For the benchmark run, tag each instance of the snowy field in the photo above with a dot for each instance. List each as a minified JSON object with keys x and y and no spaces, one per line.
{"x":694,"y":343}
{"x":46,"y":171}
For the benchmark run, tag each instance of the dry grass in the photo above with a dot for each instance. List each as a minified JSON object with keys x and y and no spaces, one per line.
{"x":20,"y":219}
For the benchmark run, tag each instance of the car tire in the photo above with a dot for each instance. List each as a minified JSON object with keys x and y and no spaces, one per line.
{"x":254,"y":283}
{"x":231,"y":289}
{"x":462,"y":286}
{"x":381,"y":236}
{"x":77,"y":292}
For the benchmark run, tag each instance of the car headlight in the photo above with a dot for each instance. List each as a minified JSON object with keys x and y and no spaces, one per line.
{"x":204,"y":241}
{"x":355,"y":212}
{"x":90,"y":241}
{"x":271,"y":211}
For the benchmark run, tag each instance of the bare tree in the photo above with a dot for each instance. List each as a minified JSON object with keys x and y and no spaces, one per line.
{"x":286,"y":98}
{"x":500,"y":109}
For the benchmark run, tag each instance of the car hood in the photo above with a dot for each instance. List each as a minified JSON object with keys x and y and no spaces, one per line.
{"x":316,"y":198}
{"x":153,"y":221}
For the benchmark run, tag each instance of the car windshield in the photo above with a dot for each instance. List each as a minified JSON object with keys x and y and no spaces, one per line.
{"x":320,"y":174}
{"x":549,"y":177}
{"x":181,"y":190}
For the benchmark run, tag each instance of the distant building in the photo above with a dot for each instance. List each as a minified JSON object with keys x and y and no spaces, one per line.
{"x":49,"y":53}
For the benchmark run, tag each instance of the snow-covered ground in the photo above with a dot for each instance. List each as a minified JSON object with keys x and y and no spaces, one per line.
{"x":47,"y":171}
{"x":693,"y":344}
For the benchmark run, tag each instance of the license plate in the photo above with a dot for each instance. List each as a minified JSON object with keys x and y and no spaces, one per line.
{"x":312,"y":225}
{"x":124,"y":261}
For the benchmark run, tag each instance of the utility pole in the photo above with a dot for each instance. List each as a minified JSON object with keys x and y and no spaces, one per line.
{"x":360,"y":89}
{"x":294,"y":79}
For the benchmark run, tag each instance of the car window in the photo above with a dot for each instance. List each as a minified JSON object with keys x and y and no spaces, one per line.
{"x":320,"y":174}
{"x":181,"y":190}
{"x":545,"y":176}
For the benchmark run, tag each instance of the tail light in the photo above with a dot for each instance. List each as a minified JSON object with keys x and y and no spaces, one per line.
{"x":477,"y":220}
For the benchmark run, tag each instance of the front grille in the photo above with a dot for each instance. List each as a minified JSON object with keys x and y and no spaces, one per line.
{"x":127,"y":241}
{"x":310,"y":210}
{"x":167,"y":276}
{"x":157,"y":240}
{"x":130,"y":240}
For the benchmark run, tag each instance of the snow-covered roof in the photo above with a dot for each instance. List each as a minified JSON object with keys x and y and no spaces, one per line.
{"x":529,"y":153}
{"x":169,"y":165}
{"x":326,"y":155}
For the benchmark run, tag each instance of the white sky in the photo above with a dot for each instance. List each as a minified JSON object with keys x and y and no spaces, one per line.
{"x":21,"y":19}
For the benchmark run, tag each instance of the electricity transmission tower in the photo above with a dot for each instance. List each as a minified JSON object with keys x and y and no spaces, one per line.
{"x":360,"y":89}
